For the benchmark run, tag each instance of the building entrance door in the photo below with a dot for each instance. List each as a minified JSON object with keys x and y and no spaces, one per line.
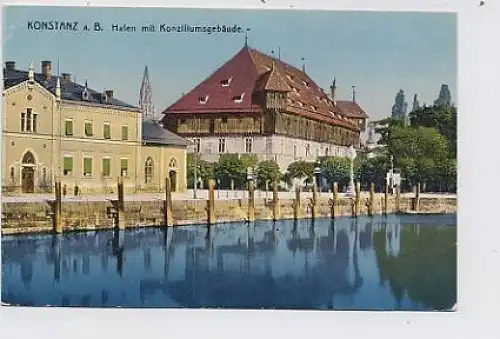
{"x":28,"y":179}
{"x":173,"y":180}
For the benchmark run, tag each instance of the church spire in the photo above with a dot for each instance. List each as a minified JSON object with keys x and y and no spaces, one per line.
{"x":145,"y":98}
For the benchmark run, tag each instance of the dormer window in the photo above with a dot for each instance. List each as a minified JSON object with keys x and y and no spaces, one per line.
{"x":238,"y":98}
{"x":85,"y":94}
{"x":289,"y":77}
{"x":268,"y":68}
{"x":203,"y":100}
{"x":301,"y":104}
{"x":305,"y":83}
{"x":332,"y":114}
{"x":226,"y":82}
{"x":313,"y":108}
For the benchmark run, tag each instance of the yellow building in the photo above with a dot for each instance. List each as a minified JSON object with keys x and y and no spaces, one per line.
{"x":56,"y":129}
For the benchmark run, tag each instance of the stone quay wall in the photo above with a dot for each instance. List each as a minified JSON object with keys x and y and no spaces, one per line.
{"x":36,"y":217}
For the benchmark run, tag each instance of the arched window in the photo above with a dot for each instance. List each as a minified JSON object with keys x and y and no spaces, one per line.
{"x":172,"y":163}
{"x":44,"y":175}
{"x":12,"y":174}
{"x":28,"y":158}
{"x":148,"y":170}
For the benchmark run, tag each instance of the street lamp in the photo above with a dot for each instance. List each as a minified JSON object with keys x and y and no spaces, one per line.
{"x":351,"y":155}
{"x":195,"y":183}
{"x":317,"y":178}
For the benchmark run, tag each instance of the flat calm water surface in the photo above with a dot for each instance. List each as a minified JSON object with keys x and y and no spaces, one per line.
{"x":383,"y":263}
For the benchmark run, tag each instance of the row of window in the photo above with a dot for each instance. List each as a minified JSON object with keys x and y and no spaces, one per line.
{"x":222,"y":145}
{"x":88,"y":164}
{"x":29,"y":124}
{"x":89,"y":130}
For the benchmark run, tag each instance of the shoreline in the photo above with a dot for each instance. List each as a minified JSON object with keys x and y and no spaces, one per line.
{"x":36,"y":217}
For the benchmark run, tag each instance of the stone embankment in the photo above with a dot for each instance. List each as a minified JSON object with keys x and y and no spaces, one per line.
{"x":48,"y":216}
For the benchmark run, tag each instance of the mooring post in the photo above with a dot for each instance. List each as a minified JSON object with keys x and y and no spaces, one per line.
{"x":211,"y":202}
{"x":357,"y":206}
{"x":335,"y":201}
{"x":314,"y":201}
{"x":169,"y":218}
{"x":58,"y":208}
{"x":371,"y":203}
{"x":251,"y":200}
{"x":398,"y":199}
{"x":276,"y":203}
{"x":417,"y":198}
{"x":120,"y":213}
{"x":386,"y":199}
{"x":296,"y":204}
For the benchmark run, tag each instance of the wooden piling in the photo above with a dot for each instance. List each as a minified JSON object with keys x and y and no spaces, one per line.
{"x":335,"y":200}
{"x":357,"y":200}
{"x":371,"y":202}
{"x":276,"y":203}
{"x":296,"y":204}
{"x":211,"y":202}
{"x":416,"y":203}
{"x":251,"y":201}
{"x":314,"y":202}
{"x":58,"y":208}
{"x":398,"y":199}
{"x":120,"y":211}
{"x":169,"y":218}
{"x":386,"y":199}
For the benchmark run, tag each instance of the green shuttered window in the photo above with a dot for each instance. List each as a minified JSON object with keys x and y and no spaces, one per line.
{"x":106,"y":167}
{"x":107,"y":131}
{"x":124,"y":167}
{"x":68,"y":166}
{"x":88,"y":129}
{"x":87,"y":167}
{"x":124,"y":132}
{"x":69,"y":127}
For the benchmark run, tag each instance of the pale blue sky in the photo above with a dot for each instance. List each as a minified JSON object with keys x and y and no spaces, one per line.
{"x":378,"y":52}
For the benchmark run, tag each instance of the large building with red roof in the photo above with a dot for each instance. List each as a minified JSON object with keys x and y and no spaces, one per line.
{"x":258,"y":104}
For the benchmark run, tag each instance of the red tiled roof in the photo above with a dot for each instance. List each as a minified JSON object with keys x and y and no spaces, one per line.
{"x":351,"y":109}
{"x":249,"y":71}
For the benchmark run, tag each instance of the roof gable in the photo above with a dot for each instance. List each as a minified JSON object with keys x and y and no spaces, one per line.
{"x":251,"y":70}
{"x":69,"y":90}
{"x":211,"y":95}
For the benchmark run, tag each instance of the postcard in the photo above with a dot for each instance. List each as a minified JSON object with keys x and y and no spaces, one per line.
{"x":229,"y":159}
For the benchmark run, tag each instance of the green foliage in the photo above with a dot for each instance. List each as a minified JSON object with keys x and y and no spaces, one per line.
{"x":425,"y":268}
{"x":443,"y":118}
{"x":335,"y":169}
{"x":230,"y":167}
{"x":205,"y":169}
{"x":268,"y":170}
{"x":426,"y":150}
{"x":301,"y":169}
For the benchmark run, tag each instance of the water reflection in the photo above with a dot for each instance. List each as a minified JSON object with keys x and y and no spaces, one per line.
{"x":379,"y":263}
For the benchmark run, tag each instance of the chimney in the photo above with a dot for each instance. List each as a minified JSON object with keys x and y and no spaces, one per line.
{"x":10,"y":65}
{"x":109,"y":93}
{"x":47,"y":69}
{"x":66,"y":76}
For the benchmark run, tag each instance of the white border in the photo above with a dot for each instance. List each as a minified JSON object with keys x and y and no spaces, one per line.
{"x":479,"y":229}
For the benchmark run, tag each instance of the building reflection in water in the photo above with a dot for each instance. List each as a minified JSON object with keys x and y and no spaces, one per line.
{"x":281,"y":264}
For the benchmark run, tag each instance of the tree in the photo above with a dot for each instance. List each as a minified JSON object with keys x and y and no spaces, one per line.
{"x":443,"y":118}
{"x":400,"y":106}
{"x":444,"y":98}
{"x":268,"y":170}
{"x":335,"y":169}
{"x":205,"y":169}
{"x":230,"y":167}
{"x":301,"y":169}
{"x":249,"y":160}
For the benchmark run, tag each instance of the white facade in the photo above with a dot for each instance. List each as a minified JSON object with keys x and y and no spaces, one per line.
{"x":284,"y":150}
